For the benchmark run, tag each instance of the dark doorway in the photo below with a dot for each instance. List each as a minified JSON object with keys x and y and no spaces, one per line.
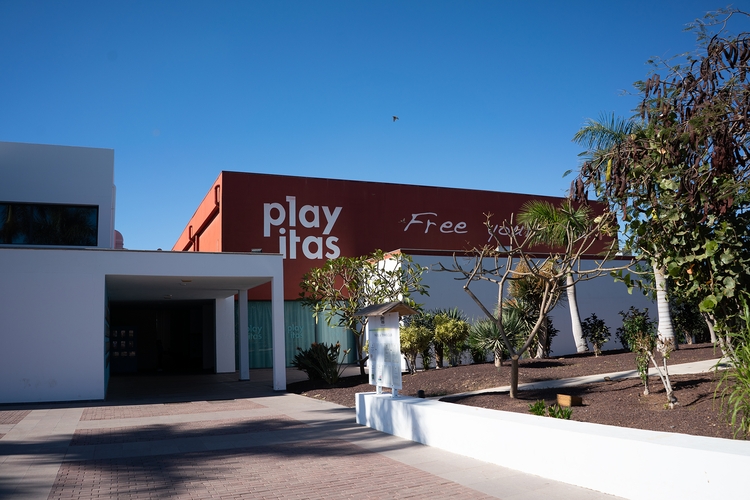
{"x":177,"y":337}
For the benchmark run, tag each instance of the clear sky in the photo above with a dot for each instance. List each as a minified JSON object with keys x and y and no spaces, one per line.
{"x":488,"y":94}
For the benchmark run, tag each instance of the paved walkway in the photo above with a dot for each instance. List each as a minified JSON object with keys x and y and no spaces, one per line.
{"x":215,"y":437}
{"x":704,"y":366}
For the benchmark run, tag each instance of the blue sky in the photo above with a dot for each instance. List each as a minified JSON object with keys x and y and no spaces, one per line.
{"x":489,"y":94}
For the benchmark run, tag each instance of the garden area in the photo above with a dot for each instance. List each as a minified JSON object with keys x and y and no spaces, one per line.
{"x":616,"y":402}
{"x":670,"y":217}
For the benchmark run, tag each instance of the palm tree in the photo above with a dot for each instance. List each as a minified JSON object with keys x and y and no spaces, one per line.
{"x":527,"y":296}
{"x":517,"y":324}
{"x":560,"y":227}
{"x":602,"y":140}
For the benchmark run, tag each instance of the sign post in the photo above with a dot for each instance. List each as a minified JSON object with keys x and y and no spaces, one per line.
{"x":384,"y":337}
{"x":385,"y":352}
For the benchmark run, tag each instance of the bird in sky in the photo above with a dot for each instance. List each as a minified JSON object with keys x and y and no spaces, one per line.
{"x":395,"y":118}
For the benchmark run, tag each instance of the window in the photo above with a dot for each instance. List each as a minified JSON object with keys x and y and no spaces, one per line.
{"x":48,"y":224}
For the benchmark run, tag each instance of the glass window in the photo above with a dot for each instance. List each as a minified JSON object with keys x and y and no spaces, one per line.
{"x":48,"y":224}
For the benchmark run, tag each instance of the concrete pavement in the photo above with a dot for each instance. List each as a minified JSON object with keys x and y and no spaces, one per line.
{"x":215,"y":437}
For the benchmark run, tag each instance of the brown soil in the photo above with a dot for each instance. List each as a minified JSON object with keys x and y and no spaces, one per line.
{"x":617,"y":402}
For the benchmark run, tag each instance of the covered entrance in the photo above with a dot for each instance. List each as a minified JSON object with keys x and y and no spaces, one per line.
{"x":180,"y":307}
{"x":183,"y":325}
{"x":166,"y":337}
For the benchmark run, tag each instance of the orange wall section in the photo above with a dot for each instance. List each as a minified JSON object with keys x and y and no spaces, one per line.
{"x":203,"y":232}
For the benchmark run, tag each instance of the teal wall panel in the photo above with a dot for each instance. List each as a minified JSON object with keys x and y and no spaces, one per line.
{"x":332,"y":334}
{"x":260,"y":334}
{"x":300,"y":330}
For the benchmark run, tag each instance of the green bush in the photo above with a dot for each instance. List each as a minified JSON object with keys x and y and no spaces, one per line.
{"x":321,"y":362}
{"x":452,"y":333}
{"x":643,"y":344}
{"x":415,"y":339}
{"x":595,"y":331}
{"x":424,"y":320}
{"x":427,"y":357}
{"x":563,"y":412}
{"x":540,"y":409}
{"x":689,"y":325}
{"x":734,"y":385}
{"x":484,"y":336}
{"x":634,"y":323}
{"x":638,"y":335}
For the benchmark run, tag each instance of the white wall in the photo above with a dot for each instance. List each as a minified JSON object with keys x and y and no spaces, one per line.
{"x":39,"y":173}
{"x":52,"y":328}
{"x":630,"y":463}
{"x":601,"y":296}
{"x":225,"y":335}
{"x":52,"y":311}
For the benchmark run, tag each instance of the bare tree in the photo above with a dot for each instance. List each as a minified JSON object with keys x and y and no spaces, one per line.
{"x":498,"y":264}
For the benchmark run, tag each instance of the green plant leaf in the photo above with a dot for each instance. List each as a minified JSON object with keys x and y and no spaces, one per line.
{"x":711,"y":247}
{"x":708,"y":304}
{"x":726,"y":257}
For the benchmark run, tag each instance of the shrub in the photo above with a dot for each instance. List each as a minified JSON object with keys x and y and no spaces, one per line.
{"x":689,"y":324}
{"x":452,"y":333}
{"x":638,"y":335}
{"x":478,"y":355}
{"x":595,"y":331}
{"x":426,"y":320}
{"x":734,"y":385}
{"x":540,"y":409}
{"x":415,"y":339}
{"x":427,"y":357}
{"x":642,"y":344}
{"x":634,"y":322}
{"x":484,"y":336}
{"x":563,"y":412}
{"x":321,"y":362}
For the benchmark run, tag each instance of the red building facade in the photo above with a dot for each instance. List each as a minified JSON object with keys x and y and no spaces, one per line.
{"x":309,"y":220}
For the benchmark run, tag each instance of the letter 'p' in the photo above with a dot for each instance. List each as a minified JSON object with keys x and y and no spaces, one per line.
{"x":268,"y":220}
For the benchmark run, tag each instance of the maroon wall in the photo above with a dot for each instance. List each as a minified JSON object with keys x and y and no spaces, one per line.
{"x":328,"y":218}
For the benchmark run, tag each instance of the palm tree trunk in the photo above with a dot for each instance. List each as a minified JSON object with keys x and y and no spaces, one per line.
{"x":498,"y":358}
{"x":575,"y":317}
{"x":542,"y":348}
{"x":666,"y":331}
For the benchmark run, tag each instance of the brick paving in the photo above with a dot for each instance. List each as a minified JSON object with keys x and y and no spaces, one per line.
{"x":12,"y":417}
{"x":158,"y":410}
{"x":203,"y":428}
{"x":253,"y":443}
{"x":329,"y":469}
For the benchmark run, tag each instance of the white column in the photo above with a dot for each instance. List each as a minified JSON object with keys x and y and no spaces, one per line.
{"x":244,"y":356}
{"x":225,"y":335}
{"x":278,"y":343}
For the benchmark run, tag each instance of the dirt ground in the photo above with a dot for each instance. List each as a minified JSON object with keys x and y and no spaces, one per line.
{"x":617,"y":402}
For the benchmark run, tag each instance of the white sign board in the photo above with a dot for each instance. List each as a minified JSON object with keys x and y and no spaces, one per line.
{"x":385,"y":350}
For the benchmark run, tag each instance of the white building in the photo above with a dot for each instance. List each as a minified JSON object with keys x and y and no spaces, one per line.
{"x":72,"y":307}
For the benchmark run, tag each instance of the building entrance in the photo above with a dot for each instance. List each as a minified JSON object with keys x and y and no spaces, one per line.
{"x":173,"y":338}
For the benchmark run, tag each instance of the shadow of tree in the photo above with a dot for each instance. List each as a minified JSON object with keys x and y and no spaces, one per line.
{"x":265,"y":451}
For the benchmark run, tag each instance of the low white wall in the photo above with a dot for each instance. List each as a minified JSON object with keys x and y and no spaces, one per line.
{"x":630,"y":463}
